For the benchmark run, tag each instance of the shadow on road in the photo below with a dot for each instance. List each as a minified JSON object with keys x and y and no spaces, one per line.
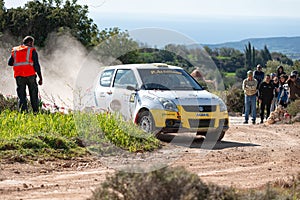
{"x":201,"y":143}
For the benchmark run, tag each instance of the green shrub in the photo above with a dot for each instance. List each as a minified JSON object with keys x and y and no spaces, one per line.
{"x":40,"y":145}
{"x":15,"y":124}
{"x":179,"y":184}
{"x":10,"y":103}
{"x":126,"y":134}
{"x":294,"y":108}
{"x":68,"y":133}
{"x":166,"y":183}
{"x":235,"y":99}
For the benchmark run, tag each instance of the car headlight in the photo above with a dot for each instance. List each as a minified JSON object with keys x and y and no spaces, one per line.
{"x":168,"y":104}
{"x":223,"y":106}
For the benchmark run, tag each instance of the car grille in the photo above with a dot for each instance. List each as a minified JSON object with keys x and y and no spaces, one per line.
{"x":198,"y":108}
{"x":201,"y":123}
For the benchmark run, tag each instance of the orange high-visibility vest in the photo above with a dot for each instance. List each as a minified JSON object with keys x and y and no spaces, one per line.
{"x":23,"y":63}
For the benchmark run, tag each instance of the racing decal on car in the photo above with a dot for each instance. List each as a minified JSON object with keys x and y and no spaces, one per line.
{"x":202,"y":115}
{"x":159,"y":71}
{"x":132,"y":98}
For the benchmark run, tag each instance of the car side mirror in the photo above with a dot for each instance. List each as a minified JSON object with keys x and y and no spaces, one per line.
{"x":205,"y":87}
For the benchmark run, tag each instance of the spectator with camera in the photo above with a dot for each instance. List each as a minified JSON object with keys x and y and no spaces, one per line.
{"x":283,"y":91}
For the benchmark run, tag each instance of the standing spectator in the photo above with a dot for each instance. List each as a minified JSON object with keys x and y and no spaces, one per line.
{"x":294,"y":86}
{"x":24,"y":60}
{"x":265,"y":97}
{"x":272,"y":76}
{"x":198,"y":76}
{"x":275,"y":99}
{"x":280,"y":71}
{"x":282,"y":91}
{"x":250,"y":89}
{"x":259,"y":75}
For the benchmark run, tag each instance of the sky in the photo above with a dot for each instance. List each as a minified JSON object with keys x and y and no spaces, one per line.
{"x":204,"y":21}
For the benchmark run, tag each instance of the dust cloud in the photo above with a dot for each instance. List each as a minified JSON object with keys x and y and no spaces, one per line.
{"x":61,"y":61}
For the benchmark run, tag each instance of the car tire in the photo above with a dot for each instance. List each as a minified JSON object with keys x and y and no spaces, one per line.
{"x":146,"y":122}
{"x":215,"y":136}
{"x":221,"y":136}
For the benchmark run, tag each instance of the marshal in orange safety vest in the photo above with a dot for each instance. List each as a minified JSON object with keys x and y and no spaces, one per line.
{"x":23,"y":63}
{"x":24,"y":60}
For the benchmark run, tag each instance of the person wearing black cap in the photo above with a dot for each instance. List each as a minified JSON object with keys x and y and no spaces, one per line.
{"x":24,"y":60}
{"x":250,"y":89}
{"x":294,"y":86}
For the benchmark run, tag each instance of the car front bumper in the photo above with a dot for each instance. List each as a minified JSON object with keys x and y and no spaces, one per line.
{"x":185,"y":121}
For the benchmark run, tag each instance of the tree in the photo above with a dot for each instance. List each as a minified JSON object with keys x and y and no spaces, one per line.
{"x":208,"y":50}
{"x":249,"y":56}
{"x":116,"y":45}
{"x":41,"y":18}
{"x":253,"y":57}
{"x":281,"y":58}
{"x":265,"y":55}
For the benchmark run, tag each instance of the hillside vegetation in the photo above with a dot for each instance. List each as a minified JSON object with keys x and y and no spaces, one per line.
{"x":286,"y":45}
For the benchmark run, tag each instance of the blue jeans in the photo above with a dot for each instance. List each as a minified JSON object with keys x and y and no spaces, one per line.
{"x":250,"y":102}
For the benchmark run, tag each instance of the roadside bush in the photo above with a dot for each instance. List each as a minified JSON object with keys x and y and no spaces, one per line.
{"x":10,"y":103}
{"x":126,"y":134}
{"x":294,"y":108}
{"x":179,"y":184}
{"x":167,"y":183}
{"x":28,"y":133}
{"x":235,"y":99}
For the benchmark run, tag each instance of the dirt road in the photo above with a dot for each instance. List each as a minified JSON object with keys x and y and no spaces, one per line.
{"x":248,"y":157}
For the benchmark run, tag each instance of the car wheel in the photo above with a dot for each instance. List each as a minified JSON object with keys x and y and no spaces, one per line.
{"x":146,"y":122}
{"x":221,"y":136}
{"x":214,"y":136}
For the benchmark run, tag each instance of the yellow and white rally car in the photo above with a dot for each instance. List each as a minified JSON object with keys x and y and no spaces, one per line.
{"x":161,"y":98}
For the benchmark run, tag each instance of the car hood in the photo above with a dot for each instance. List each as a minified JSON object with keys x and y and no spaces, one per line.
{"x":184,"y":97}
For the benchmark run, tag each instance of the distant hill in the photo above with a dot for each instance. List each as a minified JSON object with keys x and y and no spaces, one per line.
{"x":289,"y":46}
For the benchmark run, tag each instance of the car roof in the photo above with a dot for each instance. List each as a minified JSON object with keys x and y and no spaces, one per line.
{"x":144,"y":66}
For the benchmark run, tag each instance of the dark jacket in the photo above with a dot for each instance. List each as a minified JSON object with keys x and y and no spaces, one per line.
{"x":259,"y":76}
{"x":266,"y":91}
{"x":276,"y":85}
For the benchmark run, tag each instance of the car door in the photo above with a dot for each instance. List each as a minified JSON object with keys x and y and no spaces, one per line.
{"x":123,"y":99}
{"x":103,"y":91}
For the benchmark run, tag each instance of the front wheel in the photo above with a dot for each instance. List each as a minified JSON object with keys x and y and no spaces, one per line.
{"x":146,"y":122}
{"x":213,"y":136}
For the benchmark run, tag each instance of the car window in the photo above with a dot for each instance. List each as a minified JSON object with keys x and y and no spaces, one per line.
{"x":106,"y":78}
{"x":124,"y":78}
{"x":167,"y":79}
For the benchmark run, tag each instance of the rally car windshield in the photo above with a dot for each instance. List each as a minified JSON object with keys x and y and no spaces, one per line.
{"x":167,"y":79}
